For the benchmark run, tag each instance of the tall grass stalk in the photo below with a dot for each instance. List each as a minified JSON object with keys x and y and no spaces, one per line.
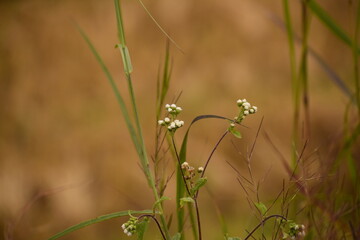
{"x":295,"y":84}
{"x":142,"y":153}
{"x":356,"y":60}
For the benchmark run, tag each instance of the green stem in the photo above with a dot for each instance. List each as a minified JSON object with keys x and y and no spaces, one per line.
{"x":356,"y":60}
{"x":294,"y":80}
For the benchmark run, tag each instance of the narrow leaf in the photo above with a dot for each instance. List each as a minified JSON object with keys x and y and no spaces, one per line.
{"x":118,"y":96}
{"x":329,"y":22}
{"x":163,"y":198}
{"x":177,"y":236}
{"x":261,"y":207}
{"x":141,"y":228}
{"x":198,"y":184}
{"x":186,"y":200}
{"x":235,"y":132}
{"x":97,"y":220}
{"x":125,"y":55}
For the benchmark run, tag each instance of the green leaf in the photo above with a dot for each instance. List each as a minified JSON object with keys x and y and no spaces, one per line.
{"x":180,"y":187}
{"x":97,"y":220}
{"x":261,"y":207}
{"x":234,"y":132}
{"x":186,"y":200}
{"x":118,"y":96}
{"x":141,"y":228}
{"x":329,"y":22}
{"x":163,"y":198}
{"x":198,"y":184}
{"x":125,"y":55}
{"x":177,"y":236}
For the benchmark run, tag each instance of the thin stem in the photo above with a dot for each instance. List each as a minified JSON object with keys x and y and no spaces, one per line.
{"x":356,"y":60}
{"x":262,"y":222}
{"x":156,"y":221}
{"x":213,"y":151}
{"x":179,"y":163}
{"x":198,"y":218}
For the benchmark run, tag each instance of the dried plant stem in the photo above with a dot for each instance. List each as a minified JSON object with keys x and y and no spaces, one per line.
{"x":262,"y":222}
{"x":156,"y":221}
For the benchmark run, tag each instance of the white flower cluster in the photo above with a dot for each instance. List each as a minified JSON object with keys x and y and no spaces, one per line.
{"x":297,"y":231}
{"x":173,"y":109}
{"x":292,"y":230}
{"x":130,"y":226}
{"x":189,"y":171}
{"x":245,"y":109}
{"x":170,"y":122}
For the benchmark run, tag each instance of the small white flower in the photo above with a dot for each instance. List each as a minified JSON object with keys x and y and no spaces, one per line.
{"x":167,"y":105}
{"x":173,"y":105}
{"x":200,"y":169}
{"x":246,"y":112}
{"x":173,"y":125}
{"x":123,"y":226}
{"x":182,"y":123}
{"x":167,"y":120}
{"x":232,"y":124}
{"x":161,"y":122}
{"x":126,"y":231}
{"x":252,"y":110}
{"x":246,"y":104}
{"x":255,"y":108}
{"x":244,"y":100}
{"x":178,"y":124}
{"x":179,"y":109}
{"x":169,"y":127}
{"x":129,"y":234}
{"x":169,"y":109}
{"x":239,"y":101}
{"x":184,"y":165}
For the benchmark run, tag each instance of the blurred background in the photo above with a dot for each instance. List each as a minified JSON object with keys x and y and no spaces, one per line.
{"x":65,"y":153}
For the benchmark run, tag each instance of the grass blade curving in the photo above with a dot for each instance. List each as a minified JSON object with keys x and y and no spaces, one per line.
{"x":97,"y":220}
{"x":118,"y":96}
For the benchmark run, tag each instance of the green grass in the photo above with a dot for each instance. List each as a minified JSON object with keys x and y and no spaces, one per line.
{"x":327,"y":202}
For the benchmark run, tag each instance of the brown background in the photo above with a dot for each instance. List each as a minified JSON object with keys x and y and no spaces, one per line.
{"x":62,"y":134}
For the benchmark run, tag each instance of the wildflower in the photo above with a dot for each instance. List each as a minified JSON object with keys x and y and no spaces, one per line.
{"x":184,"y":165}
{"x":171,"y":122}
{"x":200,"y":169}
{"x":245,"y":109}
{"x":129,"y":227}
{"x":292,"y":230}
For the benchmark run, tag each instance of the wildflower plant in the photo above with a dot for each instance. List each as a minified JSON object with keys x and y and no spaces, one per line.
{"x":189,"y":179}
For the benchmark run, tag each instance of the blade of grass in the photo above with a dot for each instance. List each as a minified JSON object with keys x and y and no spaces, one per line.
{"x":294,"y":80}
{"x":142,"y":153}
{"x":97,"y":220}
{"x":163,"y":86}
{"x":356,"y":60}
{"x":118,"y":96}
{"x":180,"y":187}
{"x":303,"y":73}
{"x":335,"y":78}
{"x":330,"y":23}
{"x":158,"y":25}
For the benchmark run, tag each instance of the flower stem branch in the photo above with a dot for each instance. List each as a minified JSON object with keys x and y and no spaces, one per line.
{"x":179,"y":163}
{"x":262,"y":222}
{"x":156,"y":221}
